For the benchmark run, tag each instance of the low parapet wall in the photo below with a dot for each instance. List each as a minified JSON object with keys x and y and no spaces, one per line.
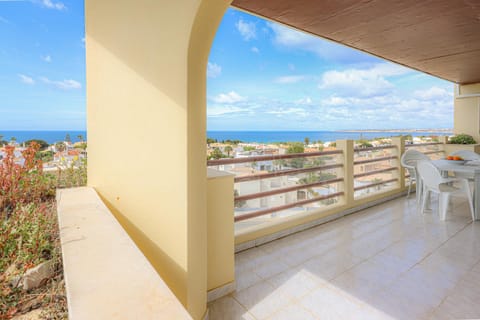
{"x":106,"y":275}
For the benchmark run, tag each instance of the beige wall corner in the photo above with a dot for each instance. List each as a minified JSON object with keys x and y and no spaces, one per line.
{"x":208,"y":17}
{"x":146,"y":120}
{"x":466,"y":110}
{"x":220,"y":231}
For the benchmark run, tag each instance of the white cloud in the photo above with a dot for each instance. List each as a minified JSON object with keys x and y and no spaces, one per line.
{"x":26,"y":79}
{"x":304,"y":101}
{"x":52,"y":5}
{"x":231,"y":97}
{"x":433,"y":93}
{"x":213,"y":70}
{"x":288,"y":111}
{"x":64,"y":84}
{"x":218,"y":111}
{"x":289,"y":79}
{"x":255,"y":50}
{"x":362,"y":82}
{"x":248,"y":30}
{"x":47,"y":58}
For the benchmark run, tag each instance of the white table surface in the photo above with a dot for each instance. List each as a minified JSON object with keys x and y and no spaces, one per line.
{"x":464,"y":167}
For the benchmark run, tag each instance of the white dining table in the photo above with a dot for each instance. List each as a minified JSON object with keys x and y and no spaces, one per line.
{"x":464,"y":167}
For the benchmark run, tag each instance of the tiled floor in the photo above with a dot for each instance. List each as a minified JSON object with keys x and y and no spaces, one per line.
{"x":386,"y":262}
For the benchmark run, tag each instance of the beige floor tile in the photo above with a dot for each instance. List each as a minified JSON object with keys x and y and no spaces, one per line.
{"x":296,"y":282}
{"x":262,"y":300}
{"x":270,"y":268}
{"x":245,"y":279}
{"x":227,"y":308}
{"x":329,"y":303}
{"x":386,"y":262}
{"x":293,"y":312}
{"x":330,"y":265}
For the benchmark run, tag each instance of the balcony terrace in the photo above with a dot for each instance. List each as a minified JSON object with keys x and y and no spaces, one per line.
{"x":146,"y":80}
{"x":385,"y":262}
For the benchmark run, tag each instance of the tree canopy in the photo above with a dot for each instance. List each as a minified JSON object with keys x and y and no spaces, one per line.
{"x":43,"y":144}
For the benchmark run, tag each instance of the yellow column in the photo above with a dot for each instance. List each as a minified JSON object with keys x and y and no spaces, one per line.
{"x":348,"y":181}
{"x":399,"y":143}
{"x":467,"y":110}
{"x":146,"y":93}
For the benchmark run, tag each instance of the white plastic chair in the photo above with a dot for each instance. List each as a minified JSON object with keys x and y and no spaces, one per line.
{"x":433,"y":181}
{"x":409,"y":160}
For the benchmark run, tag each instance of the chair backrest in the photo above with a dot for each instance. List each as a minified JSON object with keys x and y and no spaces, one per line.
{"x":430,"y":175}
{"x":409,"y":160}
{"x":410,"y":157}
{"x":467,"y":155}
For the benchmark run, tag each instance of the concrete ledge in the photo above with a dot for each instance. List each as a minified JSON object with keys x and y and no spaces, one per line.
{"x":106,"y":275}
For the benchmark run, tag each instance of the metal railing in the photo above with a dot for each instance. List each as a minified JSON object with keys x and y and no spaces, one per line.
{"x":376,"y":172}
{"x":294,"y":178}
{"x":281,"y":185}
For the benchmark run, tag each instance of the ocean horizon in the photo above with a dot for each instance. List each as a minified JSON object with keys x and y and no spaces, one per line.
{"x":50,"y":137}
{"x":324,"y":136}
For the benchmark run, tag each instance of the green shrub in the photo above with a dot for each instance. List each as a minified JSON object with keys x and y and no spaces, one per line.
{"x":462,"y":139}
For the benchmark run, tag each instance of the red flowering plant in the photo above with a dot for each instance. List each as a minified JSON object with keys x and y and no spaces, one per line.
{"x":23,"y":181}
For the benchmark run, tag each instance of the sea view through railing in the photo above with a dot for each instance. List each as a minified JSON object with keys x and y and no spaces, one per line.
{"x":290,"y":136}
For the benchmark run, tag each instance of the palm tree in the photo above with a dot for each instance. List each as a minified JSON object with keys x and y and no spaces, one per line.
{"x":228,"y":149}
{"x":80,"y":137}
{"x":60,"y":146}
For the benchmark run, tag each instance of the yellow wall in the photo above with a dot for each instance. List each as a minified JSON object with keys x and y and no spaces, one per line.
{"x":467,"y":112}
{"x":220,"y":230}
{"x":146,"y":115}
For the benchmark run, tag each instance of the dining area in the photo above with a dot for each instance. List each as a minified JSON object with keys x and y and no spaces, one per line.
{"x":458,"y":174}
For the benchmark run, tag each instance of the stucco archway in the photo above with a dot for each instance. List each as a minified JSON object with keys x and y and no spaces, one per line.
{"x":146,"y":121}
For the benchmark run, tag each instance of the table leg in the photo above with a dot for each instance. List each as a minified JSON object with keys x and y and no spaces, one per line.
{"x":476,"y":192}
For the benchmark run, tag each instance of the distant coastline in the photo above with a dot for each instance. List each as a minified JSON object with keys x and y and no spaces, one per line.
{"x":399,"y":130}
{"x":48,"y":136}
{"x":324,"y":136}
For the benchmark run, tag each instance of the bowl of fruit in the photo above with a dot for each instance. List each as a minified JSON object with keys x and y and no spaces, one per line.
{"x":457,"y":159}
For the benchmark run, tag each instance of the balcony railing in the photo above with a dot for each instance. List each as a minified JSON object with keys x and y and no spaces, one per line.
{"x":276,"y":183}
{"x":277,"y":186}
{"x":375,"y":169}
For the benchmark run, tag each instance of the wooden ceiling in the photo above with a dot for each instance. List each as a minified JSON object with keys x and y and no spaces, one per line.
{"x":438,"y":37}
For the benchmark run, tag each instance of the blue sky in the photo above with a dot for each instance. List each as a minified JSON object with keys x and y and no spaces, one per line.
{"x":261,"y":76}
{"x":42,"y":65}
{"x":264,"y":76}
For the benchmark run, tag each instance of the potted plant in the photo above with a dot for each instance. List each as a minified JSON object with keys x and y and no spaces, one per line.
{"x":461,"y":142}
{"x":462,"y":139}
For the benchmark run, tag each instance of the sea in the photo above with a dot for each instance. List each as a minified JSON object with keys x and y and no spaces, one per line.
{"x":324,"y":136}
{"x":245,"y":136}
{"x":49,"y":136}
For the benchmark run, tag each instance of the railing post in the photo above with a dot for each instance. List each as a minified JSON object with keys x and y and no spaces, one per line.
{"x":399,"y":142}
{"x":444,"y":141}
{"x":348,"y":181}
